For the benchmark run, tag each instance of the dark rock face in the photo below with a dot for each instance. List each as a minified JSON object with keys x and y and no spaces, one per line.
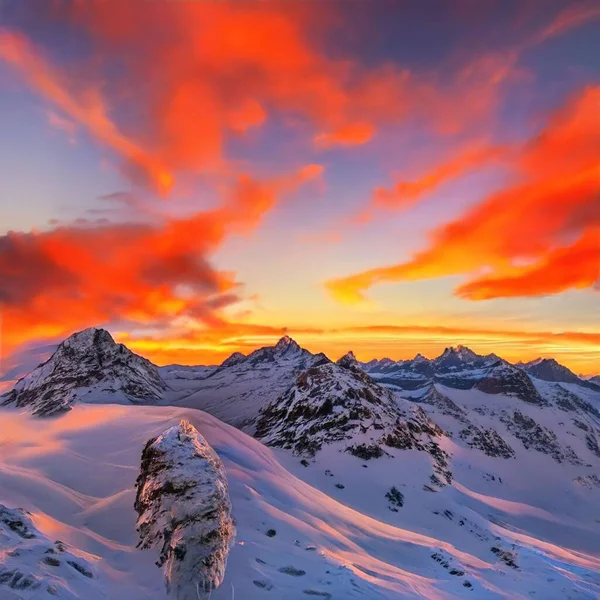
{"x":549,"y":369}
{"x":88,"y":360}
{"x":184,"y":508}
{"x":458,"y":368}
{"x":486,"y":440}
{"x":536,"y":437}
{"x":335,"y":404}
{"x":511,"y":381}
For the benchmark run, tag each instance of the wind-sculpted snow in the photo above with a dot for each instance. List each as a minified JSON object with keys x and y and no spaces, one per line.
{"x":184,"y":508}
{"x":87,"y":366}
{"x":33,"y":566}
{"x":325,"y":530}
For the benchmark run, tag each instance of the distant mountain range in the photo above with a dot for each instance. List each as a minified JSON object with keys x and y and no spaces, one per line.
{"x":481,"y":467}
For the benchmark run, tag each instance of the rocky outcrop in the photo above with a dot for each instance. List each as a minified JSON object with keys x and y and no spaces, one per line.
{"x":510,"y":381}
{"x":184,"y":508}
{"x":488,"y":441}
{"x":333,"y":404}
{"x":548,"y":369}
{"x":87,"y":365}
{"x":537,"y":437}
{"x":32,"y":566}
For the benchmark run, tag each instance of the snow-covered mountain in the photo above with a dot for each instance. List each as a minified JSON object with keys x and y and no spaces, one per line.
{"x":241,"y":386}
{"x":342,"y":407}
{"x":87,"y":366}
{"x":460,"y":476}
{"x":459,"y":368}
{"x":549,"y":369}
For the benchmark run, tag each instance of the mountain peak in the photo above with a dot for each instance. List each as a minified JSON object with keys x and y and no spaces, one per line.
{"x":87,"y":365}
{"x":91,"y":336}
{"x":460,"y":352}
{"x":349,"y":356}
{"x":286,"y":342}
{"x":233,"y":359}
{"x":348,"y":361}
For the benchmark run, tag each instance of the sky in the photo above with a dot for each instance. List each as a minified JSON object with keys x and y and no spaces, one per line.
{"x":391,"y":177}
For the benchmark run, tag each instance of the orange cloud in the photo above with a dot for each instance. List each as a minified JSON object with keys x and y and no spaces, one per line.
{"x":574,"y":267}
{"x":580,"y":350}
{"x":353,"y":134}
{"x":570,"y":18}
{"x":60,"y":280}
{"x":406,"y":193}
{"x":86,"y":107}
{"x":195,"y":72}
{"x":528,"y":224}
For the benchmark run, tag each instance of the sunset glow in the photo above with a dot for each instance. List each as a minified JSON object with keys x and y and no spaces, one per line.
{"x":392,"y":178}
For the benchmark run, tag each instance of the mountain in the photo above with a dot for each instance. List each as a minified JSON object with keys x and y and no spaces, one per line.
{"x":241,"y":386}
{"x":184,"y":509}
{"x":459,"y":368}
{"x":342,"y":407}
{"x":549,"y":369}
{"x":477,"y":478}
{"x":88,"y":366}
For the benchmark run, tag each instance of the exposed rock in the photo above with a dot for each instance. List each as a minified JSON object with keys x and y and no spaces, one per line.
{"x":539,"y":438}
{"x":488,"y":441}
{"x":183,"y":507}
{"x":88,"y":362}
{"x":333,"y":404}
{"x":510,"y":381}
{"x":548,"y":369}
{"x":446,"y":406}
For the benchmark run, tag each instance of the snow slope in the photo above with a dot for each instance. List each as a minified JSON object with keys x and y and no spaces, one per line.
{"x":327,"y":530}
{"x":236,"y":391}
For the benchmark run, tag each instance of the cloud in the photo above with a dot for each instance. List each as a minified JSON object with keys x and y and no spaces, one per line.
{"x":192,"y":75}
{"x":573,"y":16}
{"x":405,"y":194}
{"x":578,"y":349}
{"x":77,"y":275}
{"x":574,"y":267}
{"x":511,"y":239}
{"x":354,"y":134}
{"x":86,"y":106}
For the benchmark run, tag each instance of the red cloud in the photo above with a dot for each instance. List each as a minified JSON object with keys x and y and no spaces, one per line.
{"x":531,"y":223}
{"x":60,"y":280}
{"x":406,"y":193}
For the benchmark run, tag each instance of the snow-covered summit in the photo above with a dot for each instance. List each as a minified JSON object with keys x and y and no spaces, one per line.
{"x":349,"y":361}
{"x":343,"y":407}
{"x":233,"y":359}
{"x":549,"y":369}
{"x":89,"y":365}
{"x":237,"y":390}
